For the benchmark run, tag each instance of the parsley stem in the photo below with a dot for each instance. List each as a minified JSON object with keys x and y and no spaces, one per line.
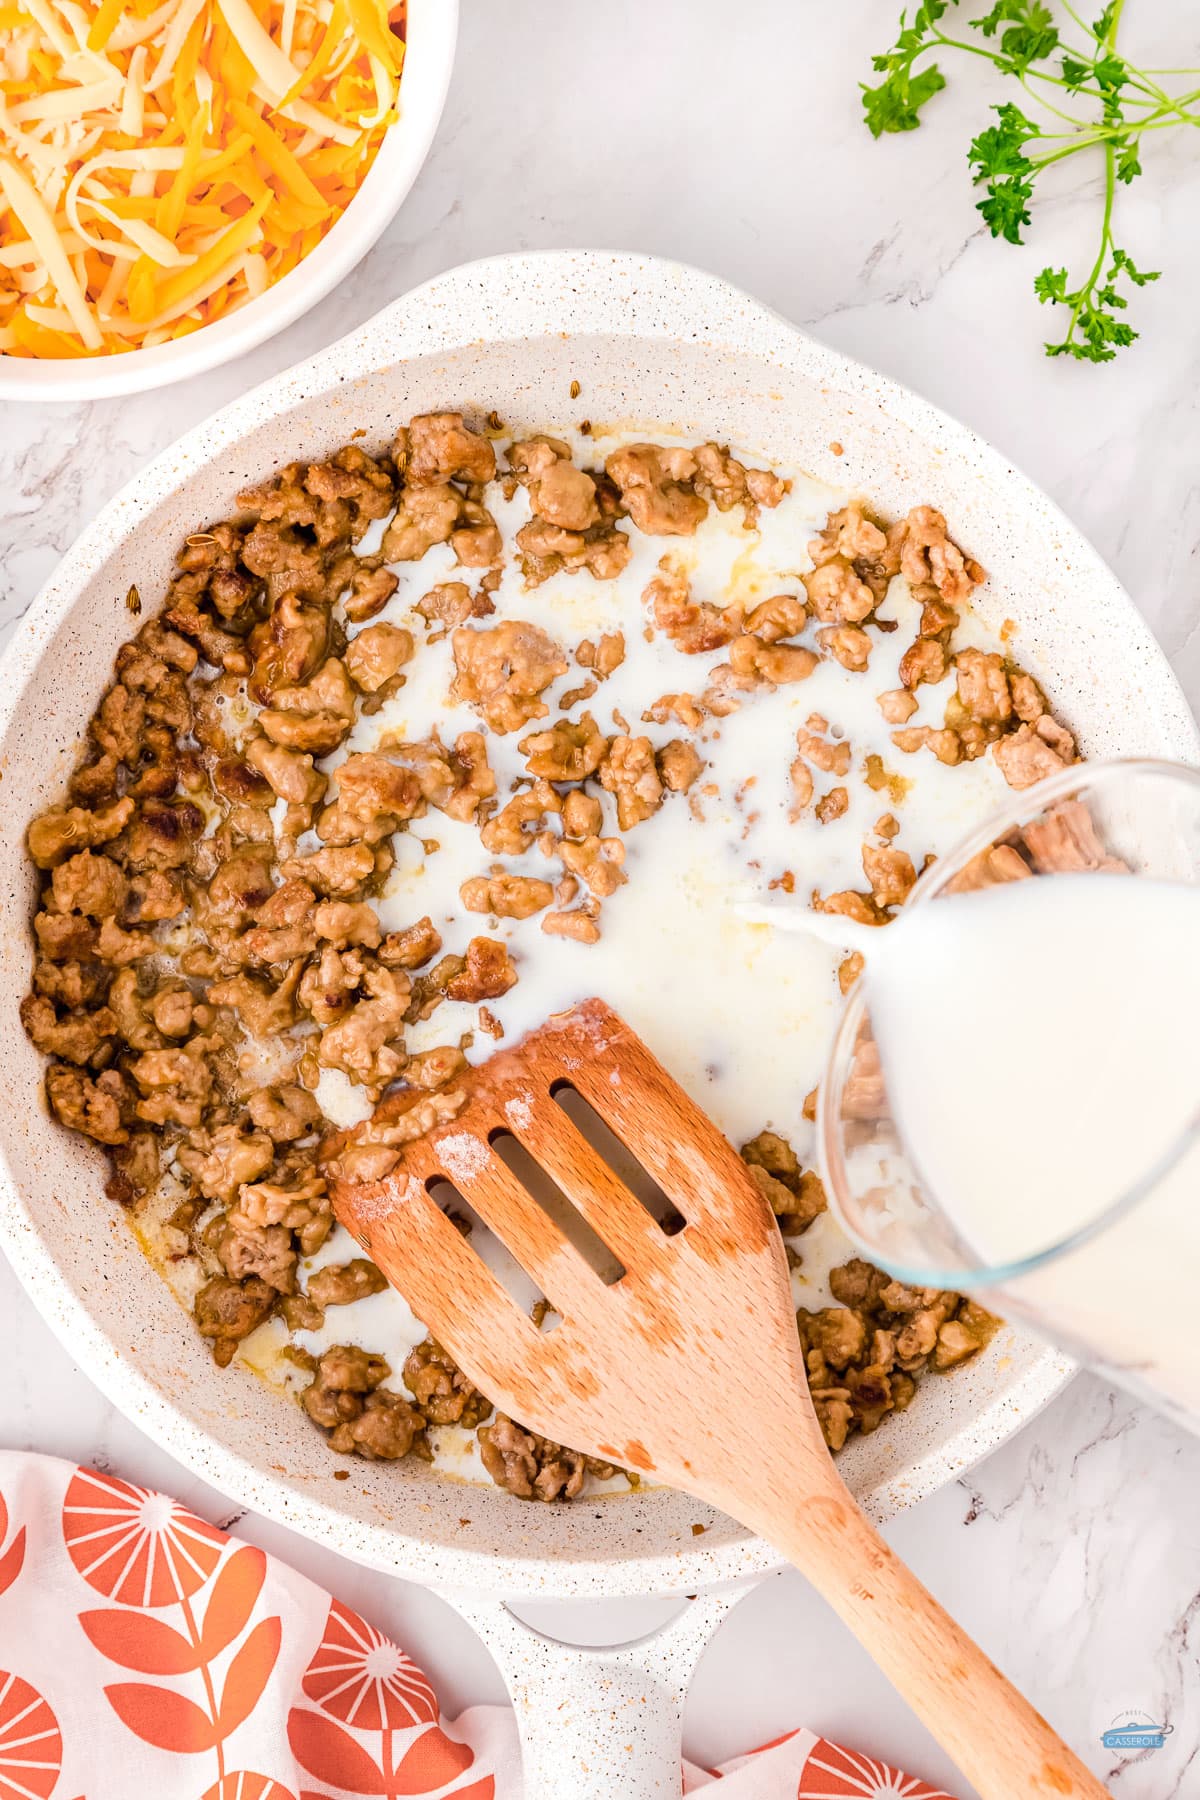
{"x":1110,"y":188}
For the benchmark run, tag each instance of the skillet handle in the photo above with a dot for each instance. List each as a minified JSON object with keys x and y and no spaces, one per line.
{"x":594,"y":1723}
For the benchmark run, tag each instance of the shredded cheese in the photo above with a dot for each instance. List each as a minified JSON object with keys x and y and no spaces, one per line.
{"x":163,"y":164}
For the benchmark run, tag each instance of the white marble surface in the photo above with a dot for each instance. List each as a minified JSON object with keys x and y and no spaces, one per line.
{"x":731,"y":138}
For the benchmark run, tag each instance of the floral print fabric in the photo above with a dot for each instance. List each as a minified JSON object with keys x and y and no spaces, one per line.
{"x":143,"y":1652}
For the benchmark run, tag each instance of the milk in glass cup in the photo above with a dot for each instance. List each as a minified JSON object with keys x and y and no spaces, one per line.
{"x":1012,"y":1103}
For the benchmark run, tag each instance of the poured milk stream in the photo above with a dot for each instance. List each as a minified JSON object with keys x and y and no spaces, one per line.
{"x":741,"y":1016}
{"x":1038,"y":1041}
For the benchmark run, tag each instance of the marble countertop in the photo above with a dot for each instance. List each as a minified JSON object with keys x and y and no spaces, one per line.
{"x":733,"y":141}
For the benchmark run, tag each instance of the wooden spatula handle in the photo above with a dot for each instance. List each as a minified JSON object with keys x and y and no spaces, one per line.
{"x":994,"y":1735}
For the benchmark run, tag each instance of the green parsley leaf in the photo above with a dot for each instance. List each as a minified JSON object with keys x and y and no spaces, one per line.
{"x":1031,"y":35}
{"x":1051,"y":284}
{"x":896,"y":103}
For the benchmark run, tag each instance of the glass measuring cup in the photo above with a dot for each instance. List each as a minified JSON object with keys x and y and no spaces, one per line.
{"x":1111,"y":1274}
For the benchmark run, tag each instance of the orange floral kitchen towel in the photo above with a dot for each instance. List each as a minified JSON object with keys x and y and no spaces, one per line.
{"x":145,"y":1655}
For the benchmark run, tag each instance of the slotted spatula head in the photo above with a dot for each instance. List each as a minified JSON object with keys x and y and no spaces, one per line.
{"x":663,"y":1369}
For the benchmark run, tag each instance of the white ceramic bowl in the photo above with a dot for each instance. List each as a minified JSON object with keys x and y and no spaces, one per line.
{"x":651,"y":343}
{"x":428,"y":62}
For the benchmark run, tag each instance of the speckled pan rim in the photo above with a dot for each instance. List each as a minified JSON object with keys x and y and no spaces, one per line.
{"x":548,"y":293}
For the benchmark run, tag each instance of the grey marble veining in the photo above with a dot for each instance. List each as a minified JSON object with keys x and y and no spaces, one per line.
{"x":731,"y":138}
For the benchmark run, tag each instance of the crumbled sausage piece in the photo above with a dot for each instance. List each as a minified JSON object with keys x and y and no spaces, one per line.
{"x":582,"y":814}
{"x":529,"y":1466}
{"x":220,"y":1161}
{"x":449,"y":604}
{"x":1066,"y":840}
{"x":289,"y":646}
{"x":315,"y":717}
{"x":487,"y":974}
{"x":693,"y":626}
{"x":890,"y":873}
{"x":772,"y":663}
{"x":502,"y":671}
{"x":290,"y":772}
{"x":256,"y":1251}
{"x":284,"y":1113}
{"x":1029,"y":702}
{"x":303,"y":1209}
{"x":476,"y":539}
{"x":839,"y":1334}
{"x":800,"y":776}
{"x":506,"y":896}
{"x":602,"y":657}
{"x":73,"y":984}
{"x":241,"y":886}
{"x":436,"y":1068}
{"x":983,"y":686}
{"x":851,"y":537}
{"x":830,"y":758}
{"x":630,"y":772}
{"x":652,"y":483}
{"x":456,"y":780}
{"x":175,"y":1086}
{"x":425,"y":516}
{"x":832,"y":805}
{"x":1030,"y":753}
{"x":577,"y":924}
{"x":441,"y":1390}
{"x":344,"y":1375}
{"x":97,"y":1108}
{"x":569,"y":750}
{"x":999,"y":863}
{"x":344,"y":922}
{"x":373,"y":795}
{"x":837,"y":594}
{"x":684,"y":709}
{"x":340,"y":1284}
{"x":795,"y":1196}
{"x":442,"y":448}
{"x":364,"y":1044}
{"x":849,"y":905}
{"x":63,"y":830}
{"x":227,"y":1311}
{"x":928,"y":556}
{"x":597,"y":861}
{"x":410,"y":948}
{"x":546,"y":549}
{"x":849,"y":970}
{"x":783,"y":616}
{"x":847,"y":644}
{"x":337,"y":871}
{"x":370,"y":590}
{"x":924,"y":660}
{"x":946,"y":745}
{"x":679,"y":764}
{"x":386,"y":1429}
{"x":515,"y":826}
{"x":898,"y":705}
{"x":721,"y":478}
{"x":375,"y":657}
{"x":558,"y":491}
{"x":89,"y":883}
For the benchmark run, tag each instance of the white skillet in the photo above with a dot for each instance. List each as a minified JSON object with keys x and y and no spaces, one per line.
{"x":657,"y":344}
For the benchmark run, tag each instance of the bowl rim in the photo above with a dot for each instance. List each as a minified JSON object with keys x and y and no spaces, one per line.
{"x":543,"y":290}
{"x":431,"y":44}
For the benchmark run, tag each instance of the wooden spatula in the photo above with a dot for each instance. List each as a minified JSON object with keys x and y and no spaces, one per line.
{"x":682,"y":1364}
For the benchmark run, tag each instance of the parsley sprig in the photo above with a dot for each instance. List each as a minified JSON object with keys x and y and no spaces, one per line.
{"x":1091,"y":98}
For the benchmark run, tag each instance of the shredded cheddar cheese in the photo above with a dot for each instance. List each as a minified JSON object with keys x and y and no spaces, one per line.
{"x":162,"y":164}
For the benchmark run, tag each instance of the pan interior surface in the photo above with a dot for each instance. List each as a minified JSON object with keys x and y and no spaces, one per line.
{"x":652,"y":346}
